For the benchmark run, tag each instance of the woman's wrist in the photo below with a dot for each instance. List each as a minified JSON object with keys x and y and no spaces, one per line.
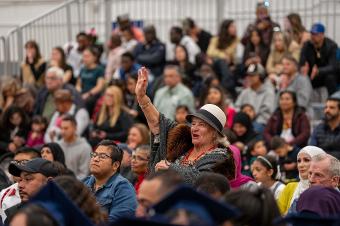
{"x":143,"y":100}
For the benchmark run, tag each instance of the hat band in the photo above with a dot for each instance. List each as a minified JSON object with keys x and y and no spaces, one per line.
{"x":212,"y":118}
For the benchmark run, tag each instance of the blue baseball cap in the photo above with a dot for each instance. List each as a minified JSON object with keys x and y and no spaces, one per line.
{"x":317,"y":28}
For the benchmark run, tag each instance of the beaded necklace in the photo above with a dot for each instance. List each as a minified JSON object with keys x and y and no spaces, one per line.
{"x":186,"y":161}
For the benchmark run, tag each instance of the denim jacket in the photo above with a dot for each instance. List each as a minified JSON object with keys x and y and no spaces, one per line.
{"x":117,"y":196}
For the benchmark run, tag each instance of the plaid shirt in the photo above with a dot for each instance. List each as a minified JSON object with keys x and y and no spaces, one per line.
{"x":327,"y":139}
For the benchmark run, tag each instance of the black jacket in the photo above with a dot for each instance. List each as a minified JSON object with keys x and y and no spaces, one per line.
{"x":326,"y":61}
{"x":43,"y":94}
{"x":152,"y":56}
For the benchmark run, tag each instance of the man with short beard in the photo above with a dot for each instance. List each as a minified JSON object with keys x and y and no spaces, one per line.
{"x":327,"y":134}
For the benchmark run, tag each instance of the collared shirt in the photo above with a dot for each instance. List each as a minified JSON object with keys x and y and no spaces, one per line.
{"x":117,"y":196}
{"x":167,"y":99}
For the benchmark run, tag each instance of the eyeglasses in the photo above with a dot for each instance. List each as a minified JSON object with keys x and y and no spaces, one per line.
{"x":19,"y":162}
{"x":102,"y":156}
{"x":138,"y":158}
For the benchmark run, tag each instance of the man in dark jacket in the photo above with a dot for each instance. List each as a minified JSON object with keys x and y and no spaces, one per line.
{"x":327,"y":134}
{"x":151,"y":53}
{"x":44,"y":103}
{"x":318,"y":60}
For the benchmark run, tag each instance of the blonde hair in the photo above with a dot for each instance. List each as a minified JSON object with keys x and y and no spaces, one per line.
{"x":285,"y":40}
{"x":104,"y":113}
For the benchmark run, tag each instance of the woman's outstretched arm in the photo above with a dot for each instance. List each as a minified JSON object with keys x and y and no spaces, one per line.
{"x":149,"y":110}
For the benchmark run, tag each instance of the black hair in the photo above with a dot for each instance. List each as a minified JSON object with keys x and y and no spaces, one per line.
{"x":292,"y":94}
{"x":224,"y":38}
{"x":269,"y":162}
{"x":36,"y":215}
{"x":38,"y":119}
{"x":6,"y":124}
{"x":185,"y":107}
{"x":177,"y":29}
{"x":211,"y":183}
{"x":129,"y":55}
{"x":28,"y":150}
{"x":95,"y":52}
{"x":246,"y":105}
{"x":277,"y":142}
{"x":257,"y":206}
{"x":57,"y":152}
{"x":70,"y":118}
{"x":116,"y":152}
{"x":82,"y":33}
{"x":334,"y":99}
{"x":185,"y":51}
{"x":190,"y":22}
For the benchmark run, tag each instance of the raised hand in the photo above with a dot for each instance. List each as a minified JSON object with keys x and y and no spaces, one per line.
{"x":142,"y":83}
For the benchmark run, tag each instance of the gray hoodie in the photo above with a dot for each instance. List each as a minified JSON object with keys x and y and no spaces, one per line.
{"x":77,"y":156}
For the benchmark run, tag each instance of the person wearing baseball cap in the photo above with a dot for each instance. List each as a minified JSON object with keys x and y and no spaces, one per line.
{"x":33,"y":175}
{"x":259,"y":94}
{"x":210,"y":145}
{"x":318,"y":61}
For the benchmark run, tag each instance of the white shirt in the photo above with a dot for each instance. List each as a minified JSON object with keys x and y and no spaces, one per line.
{"x":9,"y":197}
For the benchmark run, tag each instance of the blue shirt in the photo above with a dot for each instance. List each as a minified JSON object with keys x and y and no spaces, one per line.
{"x":117,"y":196}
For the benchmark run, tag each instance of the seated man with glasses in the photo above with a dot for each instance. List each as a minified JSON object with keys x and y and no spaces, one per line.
{"x":112,"y":191}
{"x":10,"y":196}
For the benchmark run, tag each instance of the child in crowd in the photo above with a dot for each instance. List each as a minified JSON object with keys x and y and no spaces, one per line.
{"x":14,"y":128}
{"x":267,"y":174}
{"x":36,"y":135}
{"x":287,"y":157}
{"x":181,"y":112}
{"x":250,"y":111}
{"x":255,"y":148}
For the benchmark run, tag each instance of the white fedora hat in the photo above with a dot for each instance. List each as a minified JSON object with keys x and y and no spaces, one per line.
{"x":211,"y":114}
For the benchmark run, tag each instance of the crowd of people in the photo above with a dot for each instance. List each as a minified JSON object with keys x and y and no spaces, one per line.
{"x":210,"y":130}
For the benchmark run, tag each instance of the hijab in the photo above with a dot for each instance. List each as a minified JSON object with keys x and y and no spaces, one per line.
{"x":320,"y":200}
{"x":243,"y":119}
{"x":240,"y":179}
{"x":57,"y":152}
{"x":304,"y":183}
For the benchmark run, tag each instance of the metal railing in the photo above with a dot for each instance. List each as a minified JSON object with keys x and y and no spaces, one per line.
{"x":53,"y":28}
{"x":60,"y":25}
{"x":2,"y":53}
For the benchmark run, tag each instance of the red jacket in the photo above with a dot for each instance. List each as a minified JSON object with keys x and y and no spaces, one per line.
{"x":300,"y":127}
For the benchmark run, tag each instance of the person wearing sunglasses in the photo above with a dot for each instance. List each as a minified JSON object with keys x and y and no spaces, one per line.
{"x":113,"y":192}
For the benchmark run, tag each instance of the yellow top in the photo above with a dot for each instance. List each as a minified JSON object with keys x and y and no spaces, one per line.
{"x":227,"y":53}
{"x":286,"y":196}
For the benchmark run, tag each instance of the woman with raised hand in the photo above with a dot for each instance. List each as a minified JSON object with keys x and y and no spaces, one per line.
{"x":210,"y":150}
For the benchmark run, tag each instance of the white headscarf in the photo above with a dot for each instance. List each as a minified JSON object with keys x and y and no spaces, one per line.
{"x":304,"y":184}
